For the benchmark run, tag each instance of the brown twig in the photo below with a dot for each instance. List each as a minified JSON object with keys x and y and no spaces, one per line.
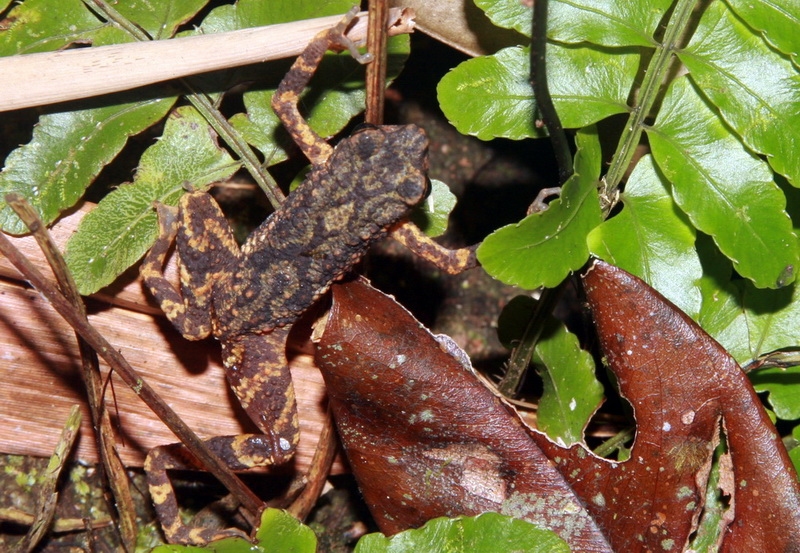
{"x":90,"y":372}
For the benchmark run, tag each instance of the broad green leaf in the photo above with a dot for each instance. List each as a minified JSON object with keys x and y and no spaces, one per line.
{"x":67,"y":152}
{"x":590,"y":84}
{"x":544,"y":247}
{"x":794,"y":453}
{"x":432,"y":216}
{"x":279,"y":532}
{"x":486,"y":533}
{"x":124,"y":222}
{"x":777,"y":20}
{"x":756,"y":90}
{"x":725,"y":190}
{"x":721,"y":312}
{"x":783,"y":387}
{"x":491,"y":96}
{"x":652,"y":239}
{"x":749,"y":322}
{"x":44,"y":26}
{"x":571,"y":391}
{"x":772,"y":317}
{"x":606,"y":22}
{"x":603,"y":22}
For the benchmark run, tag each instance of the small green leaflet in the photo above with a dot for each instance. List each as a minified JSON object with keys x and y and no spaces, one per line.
{"x":486,"y":533}
{"x":794,"y":453}
{"x":601,"y":22}
{"x":432,"y":216}
{"x":44,"y":26}
{"x":749,"y":322}
{"x":508,"y":14}
{"x":160,"y":19}
{"x":124,"y":222}
{"x":255,"y":13}
{"x":725,"y":190}
{"x":571,"y":393}
{"x":544,"y":247}
{"x":652,"y":239}
{"x":756,"y":89}
{"x":784,"y":392}
{"x":490,"y":96}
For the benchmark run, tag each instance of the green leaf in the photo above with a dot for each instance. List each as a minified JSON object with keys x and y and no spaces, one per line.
{"x":794,"y":453}
{"x":432,"y":216}
{"x":725,"y":190}
{"x":772,"y":317}
{"x":749,"y":322}
{"x":486,"y":533}
{"x":508,"y":14}
{"x":652,"y":239}
{"x":44,"y":26}
{"x":67,"y":152}
{"x":123,"y":226}
{"x":544,"y":247}
{"x":255,"y":13}
{"x":756,"y":90}
{"x":571,"y":392}
{"x":606,"y":22}
{"x":160,"y":19}
{"x":279,"y":532}
{"x":602,"y":22}
{"x":590,"y":84}
{"x":783,"y":386}
{"x":491,"y":96}
{"x":777,"y":21}
{"x":721,"y":312}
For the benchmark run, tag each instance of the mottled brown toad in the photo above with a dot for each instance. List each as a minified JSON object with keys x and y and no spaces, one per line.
{"x":247,"y":297}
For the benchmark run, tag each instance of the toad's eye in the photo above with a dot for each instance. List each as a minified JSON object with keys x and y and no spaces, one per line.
{"x":368,"y":141}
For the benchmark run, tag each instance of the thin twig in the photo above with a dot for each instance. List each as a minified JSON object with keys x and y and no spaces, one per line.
{"x":318,"y":471}
{"x":376,"y":71}
{"x":114,"y":473}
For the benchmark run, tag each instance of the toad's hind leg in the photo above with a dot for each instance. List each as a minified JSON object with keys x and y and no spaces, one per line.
{"x":258,"y":373}
{"x":259,"y":376}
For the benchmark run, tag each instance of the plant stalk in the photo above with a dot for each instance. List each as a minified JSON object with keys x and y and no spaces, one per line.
{"x":648,"y":92}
